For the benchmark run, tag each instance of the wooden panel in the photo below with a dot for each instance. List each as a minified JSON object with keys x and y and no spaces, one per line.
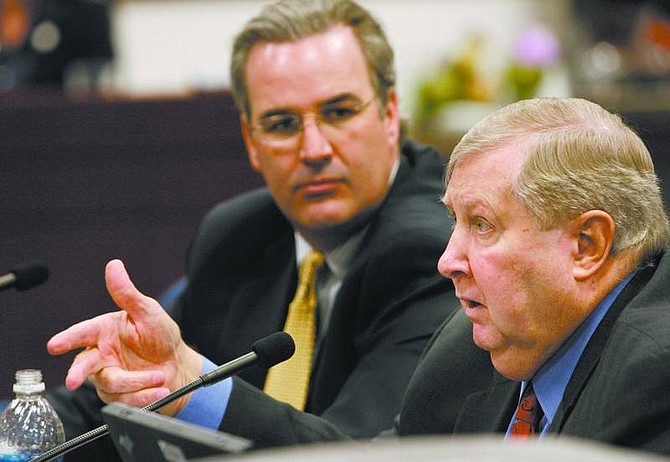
{"x":86,"y":181}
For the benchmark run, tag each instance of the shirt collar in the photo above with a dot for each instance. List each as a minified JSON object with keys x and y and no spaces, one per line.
{"x":339,"y":259}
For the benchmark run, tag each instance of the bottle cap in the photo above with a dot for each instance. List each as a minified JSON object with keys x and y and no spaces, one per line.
{"x":29,"y":381}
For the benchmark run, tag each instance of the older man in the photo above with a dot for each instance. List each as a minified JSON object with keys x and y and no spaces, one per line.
{"x":558,"y":258}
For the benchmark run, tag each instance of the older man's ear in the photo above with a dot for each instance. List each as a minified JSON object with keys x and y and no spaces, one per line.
{"x":594,"y":234}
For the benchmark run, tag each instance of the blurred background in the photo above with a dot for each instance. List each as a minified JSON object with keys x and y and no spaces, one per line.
{"x":117,"y":131}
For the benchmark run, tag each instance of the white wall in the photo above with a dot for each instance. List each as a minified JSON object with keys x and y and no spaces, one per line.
{"x":176,"y":46}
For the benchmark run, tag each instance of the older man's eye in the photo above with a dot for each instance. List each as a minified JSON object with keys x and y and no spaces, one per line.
{"x":481,"y":226}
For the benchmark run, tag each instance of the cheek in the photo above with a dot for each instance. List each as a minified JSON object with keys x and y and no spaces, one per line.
{"x":369,"y":155}
{"x":276,"y":169}
{"x":504,"y":285}
{"x":369,"y":174}
{"x":496,"y":275}
{"x":525,"y":308}
{"x":507,"y":302}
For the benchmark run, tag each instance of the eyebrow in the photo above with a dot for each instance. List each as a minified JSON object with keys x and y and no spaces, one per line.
{"x":469,"y":203}
{"x":340,"y":99}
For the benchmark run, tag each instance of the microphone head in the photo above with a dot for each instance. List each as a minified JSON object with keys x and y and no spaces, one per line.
{"x":30,"y":274}
{"x":273,"y":349}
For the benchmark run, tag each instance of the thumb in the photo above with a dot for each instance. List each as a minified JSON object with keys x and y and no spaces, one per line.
{"x":125,"y":294}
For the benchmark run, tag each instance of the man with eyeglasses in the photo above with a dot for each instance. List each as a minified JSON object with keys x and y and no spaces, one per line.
{"x":315,"y":84}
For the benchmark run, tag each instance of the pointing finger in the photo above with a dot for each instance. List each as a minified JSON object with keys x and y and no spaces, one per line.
{"x":125,"y":294}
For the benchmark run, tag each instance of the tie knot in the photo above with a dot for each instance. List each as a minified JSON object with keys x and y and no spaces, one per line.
{"x":310,"y":264}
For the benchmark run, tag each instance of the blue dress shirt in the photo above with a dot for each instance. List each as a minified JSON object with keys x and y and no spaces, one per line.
{"x":552,"y":379}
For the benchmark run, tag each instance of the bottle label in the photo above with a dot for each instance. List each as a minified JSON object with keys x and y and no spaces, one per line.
{"x":16,"y":457}
{"x":22,"y":457}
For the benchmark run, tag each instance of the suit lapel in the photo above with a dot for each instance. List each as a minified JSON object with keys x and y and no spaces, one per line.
{"x":337,"y":355}
{"x":337,"y":352}
{"x":260,"y":303}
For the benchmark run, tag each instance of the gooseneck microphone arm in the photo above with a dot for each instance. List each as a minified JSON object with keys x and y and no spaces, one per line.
{"x":266,"y":352}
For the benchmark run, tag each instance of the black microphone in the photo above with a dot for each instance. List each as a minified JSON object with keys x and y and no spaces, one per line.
{"x":265,"y":352}
{"x":25,"y":276}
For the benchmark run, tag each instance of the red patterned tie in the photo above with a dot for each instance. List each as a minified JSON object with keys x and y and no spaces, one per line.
{"x":528,"y":415}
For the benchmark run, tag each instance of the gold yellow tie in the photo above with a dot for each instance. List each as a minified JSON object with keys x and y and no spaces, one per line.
{"x":289,"y":381}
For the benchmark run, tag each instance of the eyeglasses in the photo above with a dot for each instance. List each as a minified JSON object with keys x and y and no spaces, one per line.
{"x":282,"y":129}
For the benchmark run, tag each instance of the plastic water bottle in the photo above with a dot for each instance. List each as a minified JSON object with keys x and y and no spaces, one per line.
{"x":29,"y":426}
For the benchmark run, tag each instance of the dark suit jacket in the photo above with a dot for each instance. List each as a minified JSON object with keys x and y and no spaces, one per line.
{"x":242,"y":274}
{"x":618,"y":394}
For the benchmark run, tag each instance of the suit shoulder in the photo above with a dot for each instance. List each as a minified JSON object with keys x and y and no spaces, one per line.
{"x":239,"y":209}
{"x":413,"y":214}
{"x":238,"y":227}
{"x":646,"y":327}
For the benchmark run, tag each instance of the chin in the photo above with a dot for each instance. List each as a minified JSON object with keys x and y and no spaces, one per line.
{"x":325,"y":222}
{"x":330,"y":217}
{"x":326,"y":212}
{"x":484,"y":338}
